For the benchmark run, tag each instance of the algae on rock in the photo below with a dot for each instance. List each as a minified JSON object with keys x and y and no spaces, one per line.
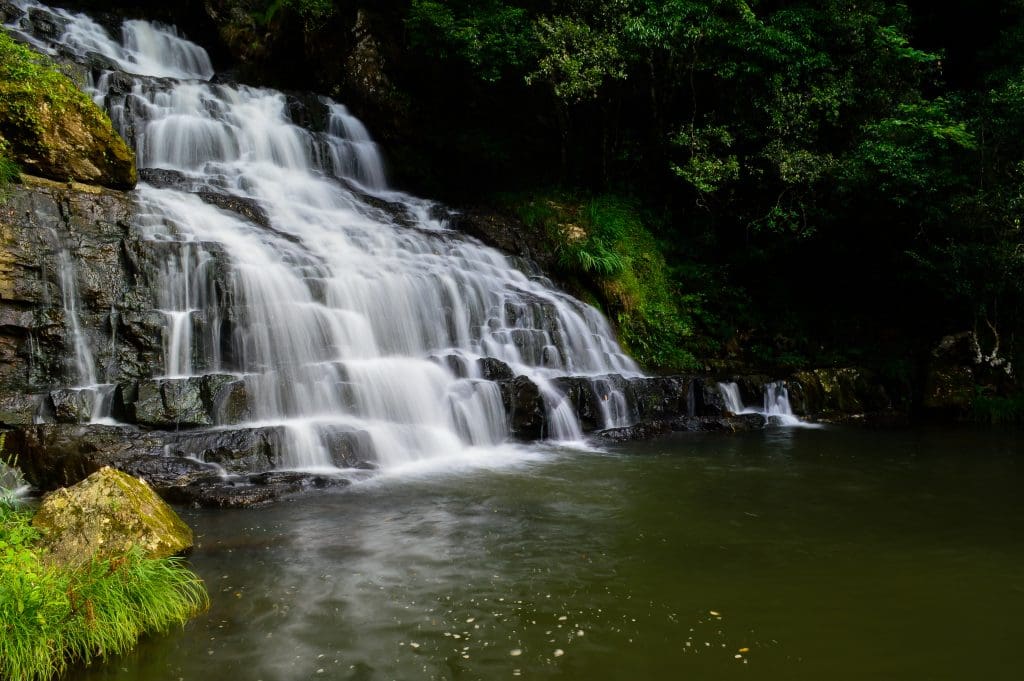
{"x":51,"y":128}
{"x":104,"y":516}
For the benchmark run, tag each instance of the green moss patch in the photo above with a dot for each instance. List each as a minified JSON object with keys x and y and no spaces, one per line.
{"x":51,"y":128}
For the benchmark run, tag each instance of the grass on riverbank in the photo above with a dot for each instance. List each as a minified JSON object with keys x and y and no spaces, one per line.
{"x":51,"y":617}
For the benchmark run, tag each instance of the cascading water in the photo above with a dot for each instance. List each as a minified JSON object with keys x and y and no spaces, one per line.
{"x":97,"y":395}
{"x":776,"y":407}
{"x":338,"y":314}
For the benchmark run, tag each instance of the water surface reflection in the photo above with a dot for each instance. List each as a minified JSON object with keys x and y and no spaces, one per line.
{"x":836,"y":553}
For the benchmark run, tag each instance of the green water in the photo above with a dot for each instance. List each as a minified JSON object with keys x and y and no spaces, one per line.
{"x":826,"y":554}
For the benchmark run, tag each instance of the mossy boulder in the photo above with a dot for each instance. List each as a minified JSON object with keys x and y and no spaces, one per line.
{"x":104,"y":516}
{"x":51,"y":128}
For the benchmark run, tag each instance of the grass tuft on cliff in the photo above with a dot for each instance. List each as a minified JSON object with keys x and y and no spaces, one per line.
{"x":9,"y":170}
{"x":51,"y":618}
{"x":603,"y":240}
{"x":53,"y":129}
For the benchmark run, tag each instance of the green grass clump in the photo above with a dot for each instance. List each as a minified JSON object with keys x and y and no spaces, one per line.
{"x":52,"y":617}
{"x":604,"y":239}
{"x":9,"y":170}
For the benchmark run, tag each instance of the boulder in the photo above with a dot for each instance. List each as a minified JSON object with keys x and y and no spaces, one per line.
{"x":237,"y":451}
{"x":104,"y":516}
{"x":71,"y":405}
{"x":949,"y":390}
{"x":664,"y":397}
{"x":18,"y":409}
{"x":494,"y":369}
{"x":830,"y":392}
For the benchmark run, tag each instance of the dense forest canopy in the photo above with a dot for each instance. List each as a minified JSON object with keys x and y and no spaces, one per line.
{"x":854,"y":167}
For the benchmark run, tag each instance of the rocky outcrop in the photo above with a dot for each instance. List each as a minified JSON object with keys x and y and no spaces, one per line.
{"x":525,"y":407}
{"x":104,"y":516}
{"x":959,"y":370}
{"x":53,"y":129}
{"x":506,"y":233}
{"x":838,"y":393}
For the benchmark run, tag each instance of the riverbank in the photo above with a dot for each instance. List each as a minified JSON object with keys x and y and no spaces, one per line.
{"x":75,"y":589}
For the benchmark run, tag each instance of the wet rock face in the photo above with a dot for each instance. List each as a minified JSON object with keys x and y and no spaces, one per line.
{"x":525,"y":407}
{"x":660,"y":398}
{"x":830,"y":392}
{"x":44,"y":226}
{"x":188,"y":402}
{"x":56,"y":455}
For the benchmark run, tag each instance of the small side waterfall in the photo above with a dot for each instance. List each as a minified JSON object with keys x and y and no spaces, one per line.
{"x":776,"y":404}
{"x":346,"y":309}
{"x":99,"y":395}
{"x":731,"y":394}
{"x":776,"y":407}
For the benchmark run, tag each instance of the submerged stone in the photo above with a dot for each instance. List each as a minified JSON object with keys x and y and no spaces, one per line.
{"x":104,"y":516}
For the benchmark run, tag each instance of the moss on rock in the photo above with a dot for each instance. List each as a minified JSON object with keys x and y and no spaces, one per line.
{"x":104,"y":516}
{"x":51,"y":128}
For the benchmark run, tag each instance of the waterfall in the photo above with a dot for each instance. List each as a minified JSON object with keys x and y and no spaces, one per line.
{"x":99,"y":395}
{"x":776,"y":407}
{"x":341,"y":303}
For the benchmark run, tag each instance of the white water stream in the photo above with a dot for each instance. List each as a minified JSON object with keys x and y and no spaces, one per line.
{"x":338,"y":313}
{"x":775,"y":405}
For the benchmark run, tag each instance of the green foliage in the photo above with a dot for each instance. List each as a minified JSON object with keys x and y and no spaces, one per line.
{"x":709,"y":166}
{"x":39,"y":104}
{"x":605,"y":239}
{"x":11,"y":478}
{"x":310,"y":10}
{"x":576,"y":57}
{"x":51,"y":618}
{"x":493,"y":38}
{"x":9,"y":172}
{"x":913,"y":152}
{"x":25,"y":73}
